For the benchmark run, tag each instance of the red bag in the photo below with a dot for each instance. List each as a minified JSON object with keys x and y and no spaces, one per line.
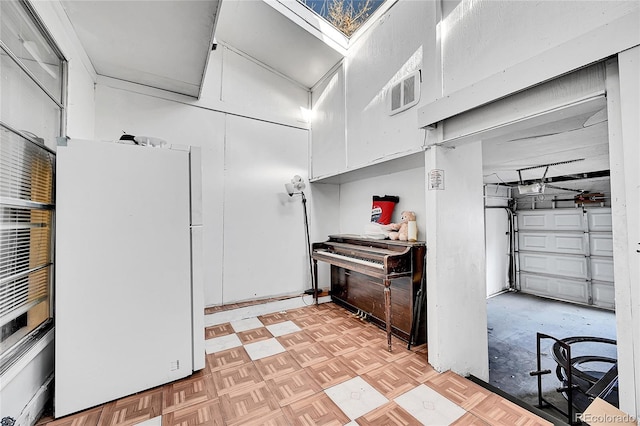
{"x":382,"y":208}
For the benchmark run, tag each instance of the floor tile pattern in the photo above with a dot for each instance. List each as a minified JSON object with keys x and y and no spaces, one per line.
{"x":317,"y":365}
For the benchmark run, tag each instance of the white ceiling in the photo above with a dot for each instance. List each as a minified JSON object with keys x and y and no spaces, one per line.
{"x":578,"y":134}
{"x":163,"y":44}
{"x":257,"y":29}
{"x":166,"y":43}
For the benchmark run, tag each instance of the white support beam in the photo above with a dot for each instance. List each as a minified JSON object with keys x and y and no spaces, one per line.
{"x":457,"y":314}
{"x":623,"y":105}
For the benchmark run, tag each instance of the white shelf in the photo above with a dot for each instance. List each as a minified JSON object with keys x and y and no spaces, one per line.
{"x":404,"y":161}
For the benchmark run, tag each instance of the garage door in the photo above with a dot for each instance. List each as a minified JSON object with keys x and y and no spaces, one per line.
{"x":566,"y":254}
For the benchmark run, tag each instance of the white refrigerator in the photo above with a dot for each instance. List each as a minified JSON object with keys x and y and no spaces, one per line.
{"x":129,"y":310}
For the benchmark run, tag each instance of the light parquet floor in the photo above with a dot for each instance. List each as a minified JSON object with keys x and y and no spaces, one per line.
{"x":317,"y":365}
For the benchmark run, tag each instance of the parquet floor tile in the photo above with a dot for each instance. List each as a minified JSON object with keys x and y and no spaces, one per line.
{"x":275,"y":318}
{"x":218,"y":330}
{"x":277,"y":365}
{"x":469,"y":420}
{"x":229,"y":358}
{"x":340,"y":345}
{"x":249,"y":404}
{"x":457,"y":389}
{"x":310,"y":354}
{"x":295,"y":340}
{"x":85,"y":418}
{"x":398,"y":351}
{"x":363,"y":360}
{"x":331,"y":372}
{"x":207,"y":413}
{"x":367,"y":335}
{"x":345,"y":325}
{"x":334,"y":353}
{"x":498,"y":411}
{"x":196,"y":389}
{"x":292,"y":387}
{"x":390,"y":380}
{"x":236,"y":379}
{"x":308,"y":321}
{"x":255,"y":335}
{"x":417,"y":367}
{"x":323,"y":332}
{"x":318,"y":409}
{"x":390,"y":414}
{"x":132,"y":409}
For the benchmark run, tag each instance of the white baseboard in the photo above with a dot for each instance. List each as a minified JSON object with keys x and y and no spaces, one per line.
{"x":261,"y":309}
{"x":35,"y":407}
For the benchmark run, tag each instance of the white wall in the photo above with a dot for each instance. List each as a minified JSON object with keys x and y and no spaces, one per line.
{"x":329,"y":154}
{"x":401,"y":42}
{"x":81,"y":75}
{"x":469,"y":44}
{"x":252,"y":144}
{"x":496,"y":222}
{"x":356,"y":198}
{"x":483,"y":58}
{"x":264,"y":236}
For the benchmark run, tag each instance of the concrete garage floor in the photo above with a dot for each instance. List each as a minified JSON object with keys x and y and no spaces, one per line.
{"x":513,"y":321}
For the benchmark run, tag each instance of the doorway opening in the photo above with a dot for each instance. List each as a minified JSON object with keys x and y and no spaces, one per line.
{"x":549,"y":252}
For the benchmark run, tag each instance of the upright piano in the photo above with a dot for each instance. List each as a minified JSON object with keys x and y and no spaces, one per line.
{"x":379,"y":279}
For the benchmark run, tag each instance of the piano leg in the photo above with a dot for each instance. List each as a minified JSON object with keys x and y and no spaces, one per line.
{"x":315,"y":280}
{"x":387,"y":311}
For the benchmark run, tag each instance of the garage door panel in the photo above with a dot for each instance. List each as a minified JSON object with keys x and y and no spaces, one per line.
{"x":603,"y":294}
{"x":602,"y":269}
{"x":567,"y":220}
{"x":567,"y":243}
{"x":600,"y":220}
{"x":560,"y":288}
{"x":601,"y":244}
{"x":569,"y":266}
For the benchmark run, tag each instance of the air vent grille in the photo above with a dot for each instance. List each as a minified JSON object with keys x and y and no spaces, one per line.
{"x":405,"y":93}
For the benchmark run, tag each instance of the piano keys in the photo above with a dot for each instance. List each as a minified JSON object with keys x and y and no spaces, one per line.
{"x":379,"y":278}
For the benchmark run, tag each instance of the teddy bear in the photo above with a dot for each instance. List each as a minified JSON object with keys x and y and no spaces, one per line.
{"x":401,"y":230}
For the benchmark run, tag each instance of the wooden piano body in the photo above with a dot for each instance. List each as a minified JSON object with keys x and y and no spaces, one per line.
{"x":379,"y":278}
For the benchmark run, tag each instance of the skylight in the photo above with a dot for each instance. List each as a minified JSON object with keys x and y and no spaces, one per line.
{"x":345,"y":15}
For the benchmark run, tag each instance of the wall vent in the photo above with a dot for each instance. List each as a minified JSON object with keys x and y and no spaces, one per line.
{"x":405,"y":93}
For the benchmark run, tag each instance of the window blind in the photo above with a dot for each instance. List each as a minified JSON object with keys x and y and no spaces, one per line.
{"x":26,"y":204}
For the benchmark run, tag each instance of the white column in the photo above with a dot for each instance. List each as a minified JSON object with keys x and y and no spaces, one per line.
{"x":623,"y":108}
{"x":456,"y":293}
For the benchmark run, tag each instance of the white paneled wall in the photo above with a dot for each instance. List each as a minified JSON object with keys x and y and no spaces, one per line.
{"x":249,"y":86}
{"x":329,"y":144}
{"x":469,"y":53}
{"x":264,"y":240}
{"x":249,"y":220}
{"x":399,"y":44}
{"x":356,"y":198}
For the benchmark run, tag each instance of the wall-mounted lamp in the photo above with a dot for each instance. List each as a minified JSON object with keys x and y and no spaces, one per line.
{"x":296,"y":186}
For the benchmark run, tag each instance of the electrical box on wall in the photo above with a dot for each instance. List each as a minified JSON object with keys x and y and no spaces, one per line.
{"x":405,"y":93}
